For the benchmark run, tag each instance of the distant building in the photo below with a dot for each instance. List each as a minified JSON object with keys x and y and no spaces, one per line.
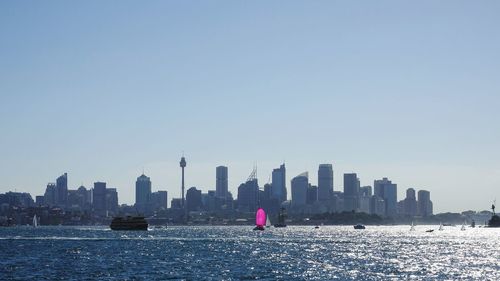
{"x":377,"y":205}
{"x":143,"y":194}
{"x":325,"y":182}
{"x":49,"y":197}
{"x":351,"y":192}
{"x":193,"y":199}
{"x":112,"y":201}
{"x":221,"y":184}
{"x":410,"y":203}
{"x":312,"y":194}
{"x":424,"y":203}
{"x":176,"y":203}
{"x":387,"y":190}
{"x":278,"y":184}
{"x":159,"y":200}
{"x":300,"y":184}
{"x":39,"y":200}
{"x":248,"y":195}
{"x":99,"y":198}
{"x":62,"y":191}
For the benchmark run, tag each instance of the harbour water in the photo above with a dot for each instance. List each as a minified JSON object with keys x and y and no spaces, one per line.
{"x":237,"y":252}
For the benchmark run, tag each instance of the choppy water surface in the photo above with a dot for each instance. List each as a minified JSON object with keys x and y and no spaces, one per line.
{"x":237,"y":252}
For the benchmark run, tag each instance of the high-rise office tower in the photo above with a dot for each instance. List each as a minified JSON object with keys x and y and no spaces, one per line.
{"x":143,"y":194}
{"x":182,"y":163}
{"x":221,"y":183}
{"x":351,"y":192}
{"x":424,"y":203}
{"x":388,"y":191}
{"x":300,"y":184}
{"x":193,"y":199}
{"x":99,"y":198}
{"x":278,"y":185}
{"x":410,"y":203}
{"x":49,"y":197}
{"x":112,"y":200}
{"x":325,"y":182}
{"x":62,"y":190}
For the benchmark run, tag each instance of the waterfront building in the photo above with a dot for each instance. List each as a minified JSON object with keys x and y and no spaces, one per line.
{"x":193,"y":199}
{"x":377,"y":206}
{"x":112,"y":201}
{"x":410,"y":203}
{"x":325,"y":182}
{"x":387,"y":190}
{"x":300,"y":184}
{"x":248,"y":195}
{"x":312,"y":194}
{"x":351,"y":192}
{"x":278,"y":184}
{"x":143,"y":194}
{"x":159,"y":200}
{"x":424,"y":203}
{"x":62,"y":191}
{"x":176,"y":203}
{"x":99,"y":198}
{"x":49,"y":197}
{"x":221,"y":183}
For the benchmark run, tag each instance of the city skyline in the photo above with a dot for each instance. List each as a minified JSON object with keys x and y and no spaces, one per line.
{"x":373,"y":89}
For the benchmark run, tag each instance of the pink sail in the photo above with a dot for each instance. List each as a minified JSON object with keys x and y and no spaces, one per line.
{"x":260,"y":217}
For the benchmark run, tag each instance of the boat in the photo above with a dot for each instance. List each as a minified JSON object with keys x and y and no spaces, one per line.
{"x":359,"y":226}
{"x":495,"y":219}
{"x":412,"y":228}
{"x":260,"y":219}
{"x":441,"y":226}
{"x":268,"y":222}
{"x":129,"y":223}
{"x":429,"y":230}
{"x":281,"y":218}
{"x":463,"y":227}
{"x":35,"y":221}
{"x":316,"y":227}
{"x":473,"y":224}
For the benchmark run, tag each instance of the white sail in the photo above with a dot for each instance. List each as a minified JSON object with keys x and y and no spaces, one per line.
{"x":412,"y":228}
{"x":463,"y":226}
{"x":268,"y":221}
{"x":35,"y":221}
{"x":441,"y":226}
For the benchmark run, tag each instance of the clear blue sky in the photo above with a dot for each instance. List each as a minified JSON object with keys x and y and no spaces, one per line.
{"x":397,"y":89}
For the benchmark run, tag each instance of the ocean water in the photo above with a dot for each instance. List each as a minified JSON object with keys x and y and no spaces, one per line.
{"x":238,"y":253}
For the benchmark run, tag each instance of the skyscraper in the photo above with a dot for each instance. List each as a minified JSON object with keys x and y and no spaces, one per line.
{"x":159,"y":200}
{"x":410,"y":203}
{"x":278,"y":185}
{"x":143,"y":194}
{"x":248,"y":195}
{"x":112,"y":200}
{"x":388,"y":191}
{"x":49,"y":198}
{"x":424,"y":203}
{"x":221,"y":183}
{"x":99,"y":198}
{"x":325,"y":182}
{"x":300,"y":184}
{"x":62,"y":190}
{"x":351,"y":192}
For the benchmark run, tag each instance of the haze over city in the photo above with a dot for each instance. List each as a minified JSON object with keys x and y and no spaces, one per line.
{"x":105,"y":90}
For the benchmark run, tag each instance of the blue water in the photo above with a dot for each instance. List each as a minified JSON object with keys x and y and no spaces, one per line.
{"x":237,"y":252}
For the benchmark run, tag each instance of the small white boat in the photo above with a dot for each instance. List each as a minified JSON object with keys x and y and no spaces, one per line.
{"x":35,"y":221}
{"x":268,"y":222}
{"x":412,"y":228}
{"x":441,"y":226}
{"x":463,"y":227}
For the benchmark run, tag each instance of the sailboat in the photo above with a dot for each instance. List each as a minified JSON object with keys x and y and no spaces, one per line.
{"x":463,"y":226}
{"x":441,"y":226}
{"x":268,"y":221}
{"x":35,"y":221}
{"x":260,"y":219}
{"x":412,"y":228}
